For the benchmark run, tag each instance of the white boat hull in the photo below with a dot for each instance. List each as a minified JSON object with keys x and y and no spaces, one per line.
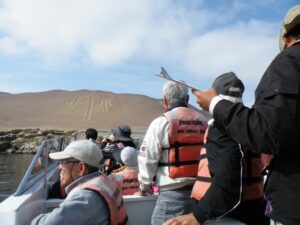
{"x":30,"y":199}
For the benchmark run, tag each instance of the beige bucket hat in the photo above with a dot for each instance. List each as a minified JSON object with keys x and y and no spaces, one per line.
{"x":291,"y":20}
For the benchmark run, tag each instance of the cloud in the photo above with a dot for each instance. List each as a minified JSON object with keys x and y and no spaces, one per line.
{"x":245,"y":48}
{"x":106,"y":32}
{"x":10,"y":46}
{"x":204,"y":39}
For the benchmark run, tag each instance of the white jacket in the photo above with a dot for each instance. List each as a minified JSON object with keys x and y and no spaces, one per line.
{"x":151,"y":153}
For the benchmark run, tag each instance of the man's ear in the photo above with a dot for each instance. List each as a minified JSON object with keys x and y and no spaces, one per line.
{"x":289,"y":40}
{"x":165,"y":102}
{"x":82,"y":169}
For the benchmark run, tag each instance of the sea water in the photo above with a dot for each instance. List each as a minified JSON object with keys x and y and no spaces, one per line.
{"x":12,"y":170}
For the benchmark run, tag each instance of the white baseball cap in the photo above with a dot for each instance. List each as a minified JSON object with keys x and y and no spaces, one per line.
{"x":83,"y":150}
{"x":129,"y":156}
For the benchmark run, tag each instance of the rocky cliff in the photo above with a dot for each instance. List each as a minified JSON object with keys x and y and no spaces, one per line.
{"x":28,"y":140}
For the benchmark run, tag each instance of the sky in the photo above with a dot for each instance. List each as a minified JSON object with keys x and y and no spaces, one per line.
{"x":118,"y":46}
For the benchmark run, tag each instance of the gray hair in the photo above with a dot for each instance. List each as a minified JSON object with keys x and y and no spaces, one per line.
{"x":175,"y":93}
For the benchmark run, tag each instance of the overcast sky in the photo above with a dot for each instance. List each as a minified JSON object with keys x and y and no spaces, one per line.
{"x":117,"y":46}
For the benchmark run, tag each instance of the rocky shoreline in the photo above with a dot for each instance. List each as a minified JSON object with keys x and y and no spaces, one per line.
{"x":27,"y":141}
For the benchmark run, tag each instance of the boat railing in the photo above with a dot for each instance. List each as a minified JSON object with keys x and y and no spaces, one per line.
{"x":40,"y":164}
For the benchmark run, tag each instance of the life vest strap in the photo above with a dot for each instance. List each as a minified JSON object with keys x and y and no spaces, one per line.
{"x":179,"y":163}
{"x":250,"y":179}
{"x":202,"y":156}
{"x":204,"y":179}
{"x":177,"y":145}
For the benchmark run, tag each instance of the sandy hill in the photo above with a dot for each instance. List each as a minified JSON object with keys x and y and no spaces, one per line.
{"x":59,"y":109}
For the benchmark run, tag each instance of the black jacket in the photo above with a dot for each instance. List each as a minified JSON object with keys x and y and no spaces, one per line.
{"x":272,"y":125}
{"x":224,"y":163}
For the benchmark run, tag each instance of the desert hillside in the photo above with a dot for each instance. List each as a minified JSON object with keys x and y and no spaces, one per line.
{"x":77,"y":110}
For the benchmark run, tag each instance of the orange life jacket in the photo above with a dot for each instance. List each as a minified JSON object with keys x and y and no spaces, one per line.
{"x":253,"y":180}
{"x":203,"y":179}
{"x":186,"y":133}
{"x":127,"y":181}
{"x":254,"y":164}
{"x":109,"y":190}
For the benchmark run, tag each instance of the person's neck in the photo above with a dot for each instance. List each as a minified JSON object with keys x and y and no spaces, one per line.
{"x":297,"y":41}
{"x":176,"y":106}
{"x":293,"y":42}
{"x":80,"y":180}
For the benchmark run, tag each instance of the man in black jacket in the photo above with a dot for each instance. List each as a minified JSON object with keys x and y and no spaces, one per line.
{"x":218,"y":186}
{"x":272,"y":124}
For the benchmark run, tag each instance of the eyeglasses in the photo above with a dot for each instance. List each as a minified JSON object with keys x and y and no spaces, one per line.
{"x":64,"y":162}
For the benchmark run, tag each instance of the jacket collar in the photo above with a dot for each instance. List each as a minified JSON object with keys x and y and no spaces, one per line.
{"x":81,"y":180}
{"x":176,"y":106}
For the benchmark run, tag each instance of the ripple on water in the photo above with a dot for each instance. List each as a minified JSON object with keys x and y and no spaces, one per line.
{"x":12,"y":169}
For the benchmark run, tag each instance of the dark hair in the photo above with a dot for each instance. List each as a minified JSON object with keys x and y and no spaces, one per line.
{"x":295,"y":32}
{"x":129,"y":143}
{"x":91,"y":169}
{"x":91,"y":133}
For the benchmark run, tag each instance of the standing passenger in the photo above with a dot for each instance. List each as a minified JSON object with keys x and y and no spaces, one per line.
{"x":169,"y":153}
{"x":251,"y":210}
{"x":218,"y":186}
{"x":272,"y":124}
{"x":217,"y":190}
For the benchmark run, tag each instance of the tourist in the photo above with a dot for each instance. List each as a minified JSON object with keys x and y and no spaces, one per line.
{"x":120,"y":137}
{"x":92,"y":198}
{"x":127,"y":175}
{"x":272,"y":124}
{"x":91,"y":134}
{"x":178,"y":132}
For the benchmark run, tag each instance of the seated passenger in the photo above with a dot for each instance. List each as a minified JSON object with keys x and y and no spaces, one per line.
{"x":91,"y":134}
{"x":127,"y":176}
{"x":58,"y":190}
{"x":99,"y":141}
{"x":120,"y":138}
{"x":92,"y":197}
{"x":122,"y":134}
